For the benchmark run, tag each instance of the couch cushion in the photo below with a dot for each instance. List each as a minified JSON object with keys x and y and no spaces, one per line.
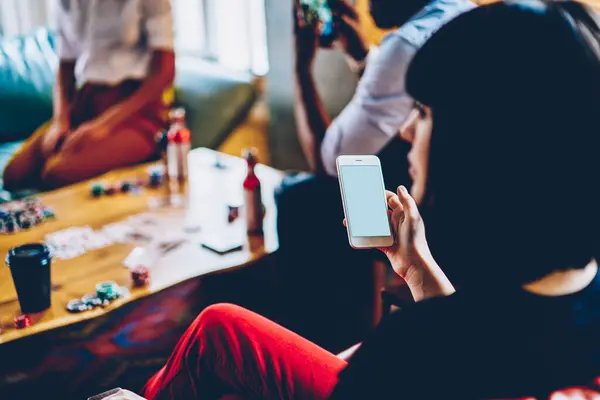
{"x":6,"y":151}
{"x":27,"y":68}
{"x":216,"y":99}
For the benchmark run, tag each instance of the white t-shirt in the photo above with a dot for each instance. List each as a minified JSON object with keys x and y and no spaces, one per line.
{"x":112,"y":40}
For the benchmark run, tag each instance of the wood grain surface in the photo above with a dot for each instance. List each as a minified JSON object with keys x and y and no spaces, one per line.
{"x":209,"y":192}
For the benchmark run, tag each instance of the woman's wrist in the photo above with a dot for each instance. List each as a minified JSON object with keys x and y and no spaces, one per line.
{"x":426,"y":279}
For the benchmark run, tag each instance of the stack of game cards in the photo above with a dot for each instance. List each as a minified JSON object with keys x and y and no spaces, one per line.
{"x":73,"y":242}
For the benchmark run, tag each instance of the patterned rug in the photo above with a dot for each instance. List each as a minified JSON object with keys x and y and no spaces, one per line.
{"x":122,"y":349}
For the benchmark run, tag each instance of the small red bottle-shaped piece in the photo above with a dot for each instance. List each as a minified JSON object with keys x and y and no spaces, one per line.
{"x":252,"y":196}
{"x":178,"y":146}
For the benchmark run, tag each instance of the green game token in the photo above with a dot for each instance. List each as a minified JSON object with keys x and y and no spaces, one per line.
{"x":107,"y":290}
{"x":48,"y":214}
{"x":97,"y":190}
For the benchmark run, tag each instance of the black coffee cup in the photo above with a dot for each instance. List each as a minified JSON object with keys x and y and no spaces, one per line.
{"x":30,"y":268}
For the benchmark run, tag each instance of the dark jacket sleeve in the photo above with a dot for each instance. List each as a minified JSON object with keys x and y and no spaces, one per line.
{"x":392,"y":361}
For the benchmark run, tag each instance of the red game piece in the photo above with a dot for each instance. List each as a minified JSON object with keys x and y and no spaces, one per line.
{"x":112,"y":189}
{"x":140,"y":276}
{"x":22,"y":321}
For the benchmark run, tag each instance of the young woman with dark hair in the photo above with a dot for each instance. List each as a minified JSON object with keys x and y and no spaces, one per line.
{"x":504,"y":145}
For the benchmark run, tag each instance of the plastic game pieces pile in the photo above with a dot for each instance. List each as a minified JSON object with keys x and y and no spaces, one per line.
{"x":24,"y":214}
{"x":156,"y":177}
{"x":106,"y":292}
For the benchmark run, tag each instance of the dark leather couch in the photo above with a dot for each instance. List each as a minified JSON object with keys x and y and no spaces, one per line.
{"x":216,"y":99}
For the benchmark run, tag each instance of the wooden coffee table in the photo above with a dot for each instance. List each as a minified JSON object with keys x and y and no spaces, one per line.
{"x":210,"y":190}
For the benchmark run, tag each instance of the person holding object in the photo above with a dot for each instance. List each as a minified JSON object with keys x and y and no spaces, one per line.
{"x":525,"y":234}
{"x":381,"y":103}
{"x":310,"y":206}
{"x":111,"y":95}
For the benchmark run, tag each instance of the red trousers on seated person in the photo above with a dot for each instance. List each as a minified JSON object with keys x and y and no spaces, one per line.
{"x":230,"y":353}
{"x":230,"y":350}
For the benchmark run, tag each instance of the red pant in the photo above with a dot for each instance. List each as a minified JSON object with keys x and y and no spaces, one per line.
{"x":230,"y":350}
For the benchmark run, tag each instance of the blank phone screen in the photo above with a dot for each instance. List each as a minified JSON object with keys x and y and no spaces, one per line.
{"x":366,"y":207}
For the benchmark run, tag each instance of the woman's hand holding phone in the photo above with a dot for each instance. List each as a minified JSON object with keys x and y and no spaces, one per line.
{"x":410,"y":249}
{"x":410,"y":255}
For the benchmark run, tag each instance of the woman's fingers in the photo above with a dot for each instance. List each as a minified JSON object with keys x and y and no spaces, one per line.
{"x":392,"y":200}
{"x":408,"y":203}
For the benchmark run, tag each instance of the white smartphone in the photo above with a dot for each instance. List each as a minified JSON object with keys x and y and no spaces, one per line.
{"x":365,"y":205}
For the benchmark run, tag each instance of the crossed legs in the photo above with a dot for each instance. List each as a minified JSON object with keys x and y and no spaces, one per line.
{"x":29,"y":167}
{"x":229,"y":350}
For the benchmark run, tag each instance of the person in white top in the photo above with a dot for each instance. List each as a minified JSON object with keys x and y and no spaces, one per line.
{"x":112,"y":92}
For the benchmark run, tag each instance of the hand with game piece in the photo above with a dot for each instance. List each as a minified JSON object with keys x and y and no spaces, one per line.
{"x":349,"y":36}
{"x":306,"y":37}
